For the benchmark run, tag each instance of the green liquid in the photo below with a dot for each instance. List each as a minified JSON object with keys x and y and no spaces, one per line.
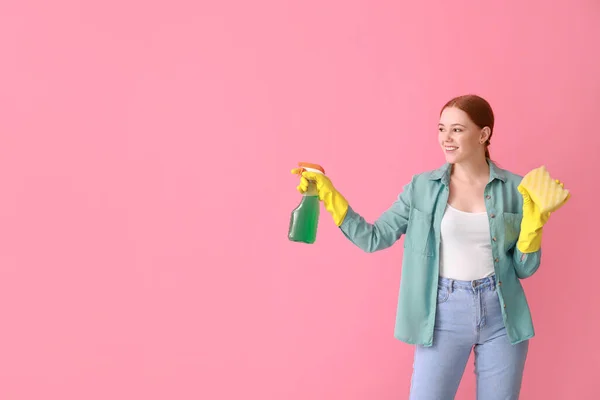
{"x":304,"y":220}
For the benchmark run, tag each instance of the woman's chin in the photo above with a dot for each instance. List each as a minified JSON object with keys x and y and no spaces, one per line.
{"x":451,"y":157}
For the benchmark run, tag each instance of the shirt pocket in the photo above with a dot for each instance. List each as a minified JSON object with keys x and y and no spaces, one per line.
{"x":512,"y":229}
{"x":418,"y":233}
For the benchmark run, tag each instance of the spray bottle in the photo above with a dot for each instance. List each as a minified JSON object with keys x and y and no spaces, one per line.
{"x":305,"y":217}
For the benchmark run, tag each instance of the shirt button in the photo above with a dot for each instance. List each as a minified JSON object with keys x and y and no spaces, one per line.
{"x":496,"y":259}
{"x":488,"y":197}
{"x":494,"y":238}
{"x":493,"y":215}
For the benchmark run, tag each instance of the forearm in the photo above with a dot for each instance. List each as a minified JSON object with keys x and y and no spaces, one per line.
{"x":371,"y":237}
{"x":526,"y":264}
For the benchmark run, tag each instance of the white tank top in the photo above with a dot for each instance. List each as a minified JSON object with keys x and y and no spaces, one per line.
{"x":466,"y":249}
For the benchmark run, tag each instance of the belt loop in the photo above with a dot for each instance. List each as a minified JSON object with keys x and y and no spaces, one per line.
{"x":451,"y":285}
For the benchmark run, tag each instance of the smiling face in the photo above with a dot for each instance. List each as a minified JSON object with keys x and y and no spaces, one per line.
{"x":460,"y":138}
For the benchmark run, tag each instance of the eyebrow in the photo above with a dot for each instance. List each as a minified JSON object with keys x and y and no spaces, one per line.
{"x":440,"y":124}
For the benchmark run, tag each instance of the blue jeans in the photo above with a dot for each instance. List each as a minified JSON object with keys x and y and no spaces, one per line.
{"x":468,"y":316}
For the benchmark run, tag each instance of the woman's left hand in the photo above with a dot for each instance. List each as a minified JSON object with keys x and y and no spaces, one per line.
{"x":530,"y":238}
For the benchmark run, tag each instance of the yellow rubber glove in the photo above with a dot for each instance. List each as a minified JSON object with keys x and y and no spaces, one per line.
{"x":333,"y":201}
{"x":530,"y":238}
{"x":548,"y":194}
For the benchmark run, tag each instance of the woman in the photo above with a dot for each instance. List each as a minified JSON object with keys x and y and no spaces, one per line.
{"x":471,"y":235}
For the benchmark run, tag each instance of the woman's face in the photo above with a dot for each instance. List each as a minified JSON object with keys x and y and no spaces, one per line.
{"x":459,"y":137}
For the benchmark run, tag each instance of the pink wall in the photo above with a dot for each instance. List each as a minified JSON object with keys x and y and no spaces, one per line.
{"x":145,"y":154}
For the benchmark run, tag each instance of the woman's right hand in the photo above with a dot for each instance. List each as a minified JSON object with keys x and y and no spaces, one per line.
{"x":333,"y":200}
{"x":306,"y":177}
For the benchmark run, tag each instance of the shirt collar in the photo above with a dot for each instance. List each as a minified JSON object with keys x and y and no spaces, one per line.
{"x":443,"y":173}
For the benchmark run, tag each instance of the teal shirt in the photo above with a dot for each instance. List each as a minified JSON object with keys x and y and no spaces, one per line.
{"x":417,"y":213}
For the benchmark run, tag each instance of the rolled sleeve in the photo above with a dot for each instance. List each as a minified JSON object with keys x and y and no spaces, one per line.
{"x":526,"y":264}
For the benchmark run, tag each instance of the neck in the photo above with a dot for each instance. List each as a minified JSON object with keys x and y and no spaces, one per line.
{"x":475,"y":170}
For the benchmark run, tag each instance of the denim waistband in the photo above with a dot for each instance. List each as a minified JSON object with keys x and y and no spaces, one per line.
{"x":488,"y":283}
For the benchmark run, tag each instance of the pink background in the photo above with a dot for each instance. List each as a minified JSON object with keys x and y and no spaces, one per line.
{"x":145,"y":154}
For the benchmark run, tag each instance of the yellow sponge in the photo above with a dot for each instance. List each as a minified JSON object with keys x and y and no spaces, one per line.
{"x":545,"y":192}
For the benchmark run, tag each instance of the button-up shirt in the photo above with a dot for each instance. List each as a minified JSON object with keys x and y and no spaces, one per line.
{"x":417,"y":213}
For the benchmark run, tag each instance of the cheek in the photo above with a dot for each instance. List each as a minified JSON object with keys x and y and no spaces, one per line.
{"x":468,"y":141}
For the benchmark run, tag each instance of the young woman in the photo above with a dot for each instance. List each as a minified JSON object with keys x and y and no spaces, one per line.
{"x":471,"y":235}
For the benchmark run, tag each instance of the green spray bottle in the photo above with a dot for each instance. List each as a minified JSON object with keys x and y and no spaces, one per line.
{"x":305,"y":217}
